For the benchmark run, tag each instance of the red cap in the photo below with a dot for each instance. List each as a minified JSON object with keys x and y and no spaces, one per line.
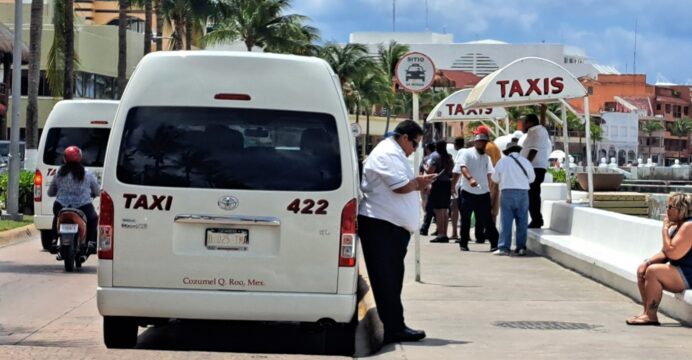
{"x":73,"y":154}
{"x":482,"y":129}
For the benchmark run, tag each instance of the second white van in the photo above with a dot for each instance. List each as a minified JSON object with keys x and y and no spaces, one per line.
{"x":83,"y":123}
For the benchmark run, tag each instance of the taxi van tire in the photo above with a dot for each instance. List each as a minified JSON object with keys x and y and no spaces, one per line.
{"x":46,"y":239}
{"x":340,"y":339}
{"x":119,"y":332}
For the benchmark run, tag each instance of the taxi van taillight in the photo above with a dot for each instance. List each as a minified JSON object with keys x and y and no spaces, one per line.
{"x":38,"y":185}
{"x":347,"y":245}
{"x":105,"y":237}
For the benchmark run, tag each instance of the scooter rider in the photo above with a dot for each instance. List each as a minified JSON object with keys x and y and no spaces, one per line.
{"x":75,"y":187}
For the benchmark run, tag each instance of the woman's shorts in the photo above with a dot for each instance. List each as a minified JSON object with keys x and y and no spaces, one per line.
{"x":440,"y":193}
{"x":685,"y":278}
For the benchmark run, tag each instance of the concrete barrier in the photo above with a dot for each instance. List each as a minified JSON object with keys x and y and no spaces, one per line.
{"x":19,"y":234}
{"x":604,"y":246}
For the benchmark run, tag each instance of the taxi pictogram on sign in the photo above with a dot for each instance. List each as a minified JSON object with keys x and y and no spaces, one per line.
{"x":415,"y":72}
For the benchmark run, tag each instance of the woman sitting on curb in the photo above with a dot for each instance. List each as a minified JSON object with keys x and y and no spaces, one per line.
{"x":671,"y":268}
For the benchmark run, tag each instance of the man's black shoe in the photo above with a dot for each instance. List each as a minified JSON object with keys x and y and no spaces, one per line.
{"x":480,"y":241}
{"x":406,"y":334}
{"x":424,"y":232}
{"x":535,"y":225}
{"x":463,"y":248}
{"x":440,"y":239}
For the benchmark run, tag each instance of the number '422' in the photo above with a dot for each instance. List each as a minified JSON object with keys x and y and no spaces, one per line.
{"x":307,"y":206}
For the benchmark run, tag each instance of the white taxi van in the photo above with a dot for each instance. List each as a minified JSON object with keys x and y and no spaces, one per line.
{"x":229,"y":193}
{"x":84,"y":123}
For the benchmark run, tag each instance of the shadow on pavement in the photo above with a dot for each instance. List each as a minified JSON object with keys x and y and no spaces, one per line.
{"x":222,"y":336}
{"x":450,"y":285}
{"x":57,"y":268}
{"x":437,"y":342}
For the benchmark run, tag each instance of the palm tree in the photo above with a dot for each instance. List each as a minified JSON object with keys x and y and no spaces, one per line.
{"x":68,"y":78}
{"x":34,"y":76}
{"x":649,"y":127}
{"x":681,"y":128}
{"x":122,"y":45}
{"x":148,"y":6}
{"x":56,"y":55}
{"x":159,"y":25}
{"x":261,"y":23}
{"x":188,"y":16}
{"x":347,"y":61}
{"x":372,"y":86}
{"x":389,"y":57}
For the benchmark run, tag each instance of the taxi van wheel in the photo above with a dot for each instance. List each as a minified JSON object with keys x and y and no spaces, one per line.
{"x":46,"y":239}
{"x":119,"y":332}
{"x":341,"y":338}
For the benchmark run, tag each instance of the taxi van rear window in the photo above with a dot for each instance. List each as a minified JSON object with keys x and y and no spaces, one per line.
{"x":92,"y":141}
{"x":230,"y":148}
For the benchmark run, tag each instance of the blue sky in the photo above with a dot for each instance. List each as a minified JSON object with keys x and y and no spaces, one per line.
{"x":605,"y":29}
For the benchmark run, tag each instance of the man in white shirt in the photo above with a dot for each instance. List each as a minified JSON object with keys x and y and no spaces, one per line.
{"x":536,"y":148}
{"x":389,"y":212}
{"x":475,"y":168}
{"x":513,"y":174}
{"x":454,"y":203}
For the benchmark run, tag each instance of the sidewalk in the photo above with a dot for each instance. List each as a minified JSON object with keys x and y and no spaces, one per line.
{"x":475,"y":305}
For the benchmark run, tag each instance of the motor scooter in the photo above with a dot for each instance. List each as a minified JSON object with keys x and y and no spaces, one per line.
{"x":72,"y":245}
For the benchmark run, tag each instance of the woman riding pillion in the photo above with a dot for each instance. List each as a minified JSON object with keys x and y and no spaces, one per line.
{"x":75,"y":187}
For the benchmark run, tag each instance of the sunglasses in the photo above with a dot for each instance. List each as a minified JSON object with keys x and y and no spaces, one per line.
{"x":414,"y":143}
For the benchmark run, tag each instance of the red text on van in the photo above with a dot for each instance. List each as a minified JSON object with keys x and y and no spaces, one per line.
{"x":538,"y":86}
{"x":322,"y":205}
{"x":148,"y":202}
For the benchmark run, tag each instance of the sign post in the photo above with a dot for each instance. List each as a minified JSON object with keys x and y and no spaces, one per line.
{"x":415,"y":73}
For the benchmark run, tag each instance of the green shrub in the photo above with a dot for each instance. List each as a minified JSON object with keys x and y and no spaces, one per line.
{"x":26,"y":190}
{"x":560,"y":177}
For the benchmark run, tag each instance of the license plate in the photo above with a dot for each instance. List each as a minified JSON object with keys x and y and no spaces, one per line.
{"x":227,"y":239}
{"x":68,"y":228}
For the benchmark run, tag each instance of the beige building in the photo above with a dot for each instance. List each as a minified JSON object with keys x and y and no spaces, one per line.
{"x":96,"y":47}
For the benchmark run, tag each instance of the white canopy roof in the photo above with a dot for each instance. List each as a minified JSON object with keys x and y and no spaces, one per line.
{"x":452,"y":109}
{"x":525,"y":81}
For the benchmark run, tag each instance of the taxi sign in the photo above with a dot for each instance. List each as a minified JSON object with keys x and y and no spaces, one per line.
{"x":415,"y":72}
{"x":356,"y":129}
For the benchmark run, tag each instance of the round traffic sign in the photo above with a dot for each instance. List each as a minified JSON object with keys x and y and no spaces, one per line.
{"x":415,"y":72}
{"x":356,"y":130}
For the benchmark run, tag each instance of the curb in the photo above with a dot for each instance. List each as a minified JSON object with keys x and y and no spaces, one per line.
{"x":17,"y":235}
{"x":369,"y":332}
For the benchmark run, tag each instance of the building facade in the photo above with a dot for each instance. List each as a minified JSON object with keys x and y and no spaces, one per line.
{"x":96,"y":47}
{"x":481,"y":57}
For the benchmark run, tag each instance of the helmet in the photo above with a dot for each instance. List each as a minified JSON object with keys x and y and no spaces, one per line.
{"x":73,"y":154}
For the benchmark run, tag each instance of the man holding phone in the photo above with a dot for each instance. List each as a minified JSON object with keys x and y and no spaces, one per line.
{"x":475,"y":168}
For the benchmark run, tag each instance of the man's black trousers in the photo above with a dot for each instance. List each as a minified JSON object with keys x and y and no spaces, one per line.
{"x":535,"y":197}
{"x":479,"y":205}
{"x":384,"y":247}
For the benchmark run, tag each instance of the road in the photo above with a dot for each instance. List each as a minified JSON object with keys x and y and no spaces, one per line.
{"x":44,"y":310}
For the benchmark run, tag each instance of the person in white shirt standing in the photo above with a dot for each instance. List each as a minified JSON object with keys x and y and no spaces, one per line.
{"x":514,"y":176}
{"x":475,"y":168}
{"x":389,"y":212}
{"x":454,"y":203}
{"x":536,"y":148}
